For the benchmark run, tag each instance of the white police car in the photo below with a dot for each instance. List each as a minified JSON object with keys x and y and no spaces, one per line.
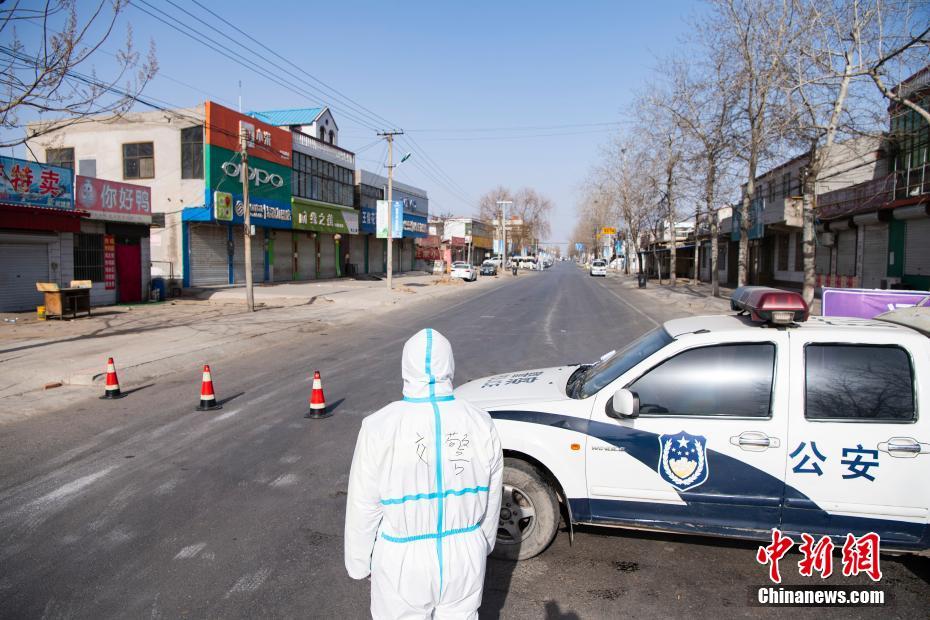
{"x":724,"y":426}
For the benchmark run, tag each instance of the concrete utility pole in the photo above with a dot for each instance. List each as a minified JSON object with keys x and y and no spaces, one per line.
{"x":389,"y":136}
{"x":503,"y":205}
{"x":246,"y":220}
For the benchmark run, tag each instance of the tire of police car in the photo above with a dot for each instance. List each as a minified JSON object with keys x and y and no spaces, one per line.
{"x":533,"y":485}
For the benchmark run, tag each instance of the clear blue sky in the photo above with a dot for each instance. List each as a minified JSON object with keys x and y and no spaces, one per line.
{"x":459,"y":68}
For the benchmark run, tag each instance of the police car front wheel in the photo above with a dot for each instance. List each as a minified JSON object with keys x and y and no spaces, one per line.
{"x":529,"y":515}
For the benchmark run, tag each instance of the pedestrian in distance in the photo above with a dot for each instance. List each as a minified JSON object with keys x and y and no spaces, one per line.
{"x":424,"y":494}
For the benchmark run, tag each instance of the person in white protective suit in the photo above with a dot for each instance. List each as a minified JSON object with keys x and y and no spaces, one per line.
{"x":424,"y":494}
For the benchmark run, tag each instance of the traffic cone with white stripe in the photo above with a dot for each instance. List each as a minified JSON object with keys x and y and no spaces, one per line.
{"x":112,"y":388}
{"x":317,"y":401}
{"x":207,"y":397}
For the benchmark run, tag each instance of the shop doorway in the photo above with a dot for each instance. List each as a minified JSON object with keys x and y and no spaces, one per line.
{"x":129,"y":270}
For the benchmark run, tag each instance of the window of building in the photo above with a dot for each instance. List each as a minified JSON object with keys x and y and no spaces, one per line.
{"x":139,"y":160}
{"x":88,"y":257}
{"x":722,"y":256}
{"x":783,"y":252}
{"x":858,"y":382}
{"x":322,"y":134}
{"x":786,"y":184}
{"x":798,"y":252}
{"x":724,"y":380}
{"x":321,"y":180}
{"x":771,"y":190}
{"x":60,"y":157}
{"x":332,"y":136}
{"x":192,"y":152}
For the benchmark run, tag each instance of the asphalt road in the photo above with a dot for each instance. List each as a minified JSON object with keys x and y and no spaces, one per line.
{"x":143,"y":507}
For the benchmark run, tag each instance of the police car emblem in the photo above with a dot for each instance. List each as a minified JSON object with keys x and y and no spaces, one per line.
{"x":682,"y":460}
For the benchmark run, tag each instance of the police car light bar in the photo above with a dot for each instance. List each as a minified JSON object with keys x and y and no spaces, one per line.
{"x":770,"y":305}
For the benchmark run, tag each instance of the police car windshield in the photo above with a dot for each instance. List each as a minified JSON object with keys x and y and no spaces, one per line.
{"x":605,"y":371}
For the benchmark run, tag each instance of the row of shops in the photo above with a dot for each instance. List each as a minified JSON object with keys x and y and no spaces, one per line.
{"x":70,"y":230}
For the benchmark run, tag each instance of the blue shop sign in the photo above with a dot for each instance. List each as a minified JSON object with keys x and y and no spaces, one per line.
{"x":31,"y":184}
{"x":415,"y":226}
{"x":368,"y":221}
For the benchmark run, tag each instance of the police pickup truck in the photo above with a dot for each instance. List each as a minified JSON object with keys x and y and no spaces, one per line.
{"x":725,"y":425}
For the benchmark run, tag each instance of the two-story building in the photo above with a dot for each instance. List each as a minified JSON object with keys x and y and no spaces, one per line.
{"x":414,"y":207}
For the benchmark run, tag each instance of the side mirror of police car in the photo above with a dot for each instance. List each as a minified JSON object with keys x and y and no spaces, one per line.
{"x":624,"y":404}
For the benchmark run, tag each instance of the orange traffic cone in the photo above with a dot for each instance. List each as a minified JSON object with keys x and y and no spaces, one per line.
{"x":112,"y":388}
{"x":207,"y":397}
{"x":317,"y":401}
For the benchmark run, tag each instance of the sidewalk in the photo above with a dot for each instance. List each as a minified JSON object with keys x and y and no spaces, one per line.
{"x":150,"y":340}
{"x":693,"y":298}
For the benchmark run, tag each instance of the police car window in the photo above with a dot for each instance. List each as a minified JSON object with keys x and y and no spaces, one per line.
{"x":606,"y":371}
{"x":723,"y":380}
{"x":858,"y":382}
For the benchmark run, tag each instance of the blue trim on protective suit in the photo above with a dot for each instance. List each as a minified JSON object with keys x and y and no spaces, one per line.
{"x":438,"y":535}
{"x":438,"y":425}
{"x":429,"y":399}
{"x":459,"y":492}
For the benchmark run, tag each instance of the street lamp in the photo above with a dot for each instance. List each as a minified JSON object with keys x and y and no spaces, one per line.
{"x":390,"y":201}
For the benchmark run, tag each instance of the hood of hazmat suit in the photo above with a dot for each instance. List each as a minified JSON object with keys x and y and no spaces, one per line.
{"x":424,"y":493}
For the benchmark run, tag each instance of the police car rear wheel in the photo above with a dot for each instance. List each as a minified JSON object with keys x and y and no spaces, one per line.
{"x":529,"y":516}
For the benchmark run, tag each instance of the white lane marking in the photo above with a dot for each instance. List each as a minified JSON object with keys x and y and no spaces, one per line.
{"x":166,"y":487}
{"x":488,"y":316}
{"x":226,"y":415}
{"x":73,"y":487}
{"x":285,"y":480}
{"x":290,"y":459}
{"x":190,"y":551}
{"x":250,"y":582}
{"x":643,"y":314}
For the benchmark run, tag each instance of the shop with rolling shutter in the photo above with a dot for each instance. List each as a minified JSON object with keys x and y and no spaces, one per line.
{"x":917,"y":247}
{"x":24,"y":264}
{"x":375,"y":255}
{"x":306,"y":255}
{"x":874,"y":255}
{"x":258,"y":255}
{"x":406,"y":263}
{"x":282,"y":255}
{"x":327,"y":256}
{"x":209,"y":254}
{"x":846,"y":252}
{"x":357,"y":252}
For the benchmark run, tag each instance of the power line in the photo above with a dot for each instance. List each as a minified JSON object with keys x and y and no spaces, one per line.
{"x":518,"y":128}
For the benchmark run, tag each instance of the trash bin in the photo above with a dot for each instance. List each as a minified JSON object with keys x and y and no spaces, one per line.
{"x":159,"y":289}
{"x":642,"y":280}
{"x":40,"y":313}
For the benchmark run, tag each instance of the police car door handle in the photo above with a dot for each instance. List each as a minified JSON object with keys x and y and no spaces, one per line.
{"x":754,"y":441}
{"x":904,"y":447}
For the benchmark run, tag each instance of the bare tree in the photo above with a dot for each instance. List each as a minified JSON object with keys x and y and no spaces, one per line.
{"x":529,"y":206}
{"x":757,"y":35}
{"x":900,"y":44}
{"x":48,"y":74}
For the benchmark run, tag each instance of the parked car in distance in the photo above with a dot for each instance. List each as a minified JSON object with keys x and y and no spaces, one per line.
{"x":461,"y":269}
{"x":489,"y":268}
{"x":599,"y":267}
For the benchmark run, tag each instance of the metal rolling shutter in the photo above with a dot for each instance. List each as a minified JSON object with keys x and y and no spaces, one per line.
{"x":209,"y":255}
{"x":874,"y":255}
{"x":846,"y":253}
{"x":917,"y":248}
{"x":306,"y":256}
{"x":23,"y":264}
{"x":283,"y":256}
{"x":357,"y":252}
{"x":327,"y":256}
{"x":375,"y":255}
{"x":258,"y":255}
{"x":407,"y":254}
{"x":395,"y":253}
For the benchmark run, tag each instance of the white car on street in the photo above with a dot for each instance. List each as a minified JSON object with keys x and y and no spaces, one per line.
{"x":461,"y":269}
{"x":599,"y":267}
{"x":728,"y":426}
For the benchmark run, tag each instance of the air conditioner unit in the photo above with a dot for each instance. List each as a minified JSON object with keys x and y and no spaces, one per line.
{"x":888,"y":283}
{"x":827,"y":239}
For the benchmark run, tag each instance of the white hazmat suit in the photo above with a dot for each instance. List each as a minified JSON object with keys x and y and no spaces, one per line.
{"x":424,"y":494}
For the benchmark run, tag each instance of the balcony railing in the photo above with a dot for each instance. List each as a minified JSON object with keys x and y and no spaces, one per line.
{"x":858,"y":198}
{"x":311,"y":146}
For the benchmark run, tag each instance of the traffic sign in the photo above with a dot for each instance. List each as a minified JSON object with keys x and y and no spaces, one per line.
{"x":608,"y":230}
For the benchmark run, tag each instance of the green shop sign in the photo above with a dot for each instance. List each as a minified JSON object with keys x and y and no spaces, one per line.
{"x":269,"y":183}
{"x":318,"y":216}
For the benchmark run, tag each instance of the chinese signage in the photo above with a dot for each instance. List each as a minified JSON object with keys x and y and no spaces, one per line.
{"x":608,"y":230}
{"x":269,"y":189}
{"x":415,"y":226}
{"x":31,"y":184}
{"x":396,"y":217}
{"x":264,"y":141}
{"x":869,"y":303}
{"x":114,"y":201}
{"x":109,"y":262}
{"x":756,"y":225}
{"x":308,"y":215}
{"x":369,"y":220}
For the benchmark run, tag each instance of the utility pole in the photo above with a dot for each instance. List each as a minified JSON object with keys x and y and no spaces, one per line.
{"x":503,"y":205}
{"x":389,"y":136}
{"x":246,"y":219}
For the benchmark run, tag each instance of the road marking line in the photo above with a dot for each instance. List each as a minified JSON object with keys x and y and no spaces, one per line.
{"x":644,"y":315}
{"x":190,"y":551}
